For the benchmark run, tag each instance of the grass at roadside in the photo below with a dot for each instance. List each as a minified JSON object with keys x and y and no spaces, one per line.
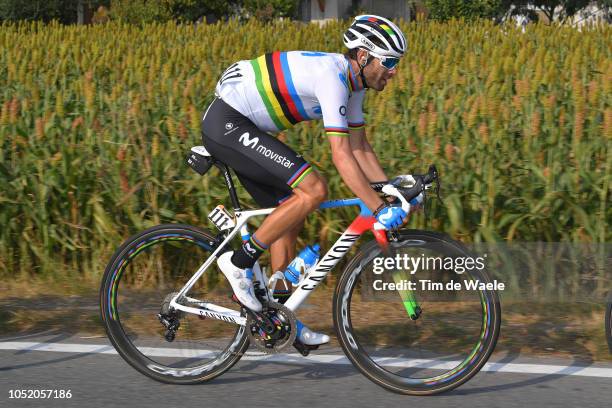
{"x":540,"y":329}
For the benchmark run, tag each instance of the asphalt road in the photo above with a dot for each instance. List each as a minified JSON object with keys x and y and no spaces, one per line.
{"x":102,"y":379}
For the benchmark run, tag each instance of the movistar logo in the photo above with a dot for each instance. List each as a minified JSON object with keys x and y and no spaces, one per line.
{"x":247,"y":141}
{"x":284,"y":161}
{"x":249,"y":248}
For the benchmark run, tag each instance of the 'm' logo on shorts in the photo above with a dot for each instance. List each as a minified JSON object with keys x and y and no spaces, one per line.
{"x":247,"y":141}
{"x":249,"y":248}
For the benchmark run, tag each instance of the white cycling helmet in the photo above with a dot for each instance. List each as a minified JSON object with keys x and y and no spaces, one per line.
{"x":376,"y":34}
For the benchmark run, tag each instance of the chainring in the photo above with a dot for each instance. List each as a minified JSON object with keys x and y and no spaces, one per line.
{"x":283,"y":334}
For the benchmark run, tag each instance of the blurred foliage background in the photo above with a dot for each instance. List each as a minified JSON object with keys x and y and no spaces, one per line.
{"x":146,"y":11}
{"x":96,"y":121}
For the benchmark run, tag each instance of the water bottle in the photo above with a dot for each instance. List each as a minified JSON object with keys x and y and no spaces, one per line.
{"x":306,"y":259}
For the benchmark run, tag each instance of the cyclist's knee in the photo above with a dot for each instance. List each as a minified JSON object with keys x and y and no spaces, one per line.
{"x":313,"y":190}
{"x":318,"y":191}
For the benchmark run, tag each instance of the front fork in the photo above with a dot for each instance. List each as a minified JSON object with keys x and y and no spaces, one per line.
{"x":408,"y":297}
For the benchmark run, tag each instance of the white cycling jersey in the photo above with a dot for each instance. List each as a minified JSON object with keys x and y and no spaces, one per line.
{"x":280,"y":89}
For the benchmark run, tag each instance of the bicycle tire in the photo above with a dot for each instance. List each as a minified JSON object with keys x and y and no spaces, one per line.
{"x":350,"y":342}
{"x":146,"y":242}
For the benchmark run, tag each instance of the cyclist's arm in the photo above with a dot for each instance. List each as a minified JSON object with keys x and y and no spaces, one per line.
{"x":351,"y":172}
{"x":365,"y":155}
{"x":333,"y":95}
{"x":360,"y":146}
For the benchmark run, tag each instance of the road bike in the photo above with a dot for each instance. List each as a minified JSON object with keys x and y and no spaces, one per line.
{"x":171,"y":314}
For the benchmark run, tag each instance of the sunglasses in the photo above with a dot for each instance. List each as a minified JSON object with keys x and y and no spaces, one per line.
{"x":387,"y":62}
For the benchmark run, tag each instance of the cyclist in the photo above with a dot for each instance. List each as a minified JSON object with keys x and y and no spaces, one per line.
{"x":271,"y":93}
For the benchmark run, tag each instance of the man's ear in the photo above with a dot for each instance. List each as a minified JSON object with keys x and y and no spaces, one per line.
{"x":362,"y":57}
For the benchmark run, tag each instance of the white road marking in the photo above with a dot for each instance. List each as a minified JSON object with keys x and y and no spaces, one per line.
{"x":521,"y":368}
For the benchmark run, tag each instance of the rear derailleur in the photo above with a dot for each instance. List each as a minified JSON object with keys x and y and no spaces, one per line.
{"x":169,"y":318}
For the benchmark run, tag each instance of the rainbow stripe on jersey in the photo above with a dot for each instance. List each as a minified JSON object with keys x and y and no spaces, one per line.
{"x":276,"y":88}
{"x":336,"y":131}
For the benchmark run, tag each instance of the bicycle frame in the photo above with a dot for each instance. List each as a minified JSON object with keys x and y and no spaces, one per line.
{"x":362,"y":223}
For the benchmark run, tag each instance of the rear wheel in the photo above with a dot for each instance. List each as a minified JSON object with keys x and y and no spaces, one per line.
{"x":421,"y":339}
{"x":168,"y":345}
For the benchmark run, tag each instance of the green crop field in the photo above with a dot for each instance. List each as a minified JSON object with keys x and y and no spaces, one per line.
{"x":96,"y":121}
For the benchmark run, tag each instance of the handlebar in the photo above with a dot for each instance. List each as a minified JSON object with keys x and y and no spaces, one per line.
{"x":419,"y":183}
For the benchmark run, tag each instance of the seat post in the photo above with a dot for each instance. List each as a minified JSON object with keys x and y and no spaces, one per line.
{"x":230,"y":186}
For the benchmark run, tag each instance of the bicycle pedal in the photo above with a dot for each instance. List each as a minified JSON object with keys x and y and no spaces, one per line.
{"x":304,"y":349}
{"x":301,"y":347}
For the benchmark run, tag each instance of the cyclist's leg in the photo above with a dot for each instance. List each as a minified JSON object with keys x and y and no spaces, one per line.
{"x":269,"y":169}
{"x":282,"y":251}
{"x":306,"y":198}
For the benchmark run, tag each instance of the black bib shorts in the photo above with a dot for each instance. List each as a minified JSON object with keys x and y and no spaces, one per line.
{"x":266,"y":167}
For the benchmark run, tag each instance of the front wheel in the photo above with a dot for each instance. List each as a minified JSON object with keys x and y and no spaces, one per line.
{"x":168,"y":345}
{"x":418,"y":338}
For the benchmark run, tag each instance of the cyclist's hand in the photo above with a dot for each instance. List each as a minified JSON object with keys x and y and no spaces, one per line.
{"x":391,"y":200}
{"x":391,"y":217}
